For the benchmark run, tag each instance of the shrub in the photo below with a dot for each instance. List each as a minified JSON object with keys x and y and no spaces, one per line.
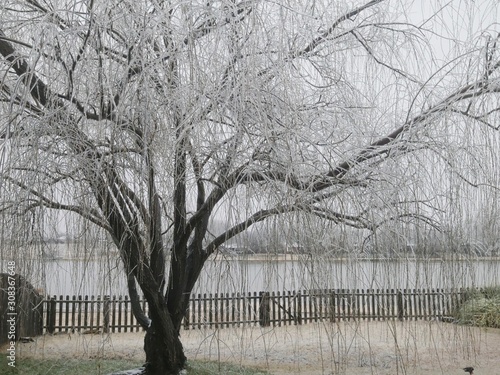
{"x":481,"y":308}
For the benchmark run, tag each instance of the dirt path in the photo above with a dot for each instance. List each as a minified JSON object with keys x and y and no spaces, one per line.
{"x":322,"y":348}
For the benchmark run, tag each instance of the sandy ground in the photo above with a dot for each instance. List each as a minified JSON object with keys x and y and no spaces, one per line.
{"x":319,"y":348}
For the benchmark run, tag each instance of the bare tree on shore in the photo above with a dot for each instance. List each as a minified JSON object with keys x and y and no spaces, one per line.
{"x":149,"y":119}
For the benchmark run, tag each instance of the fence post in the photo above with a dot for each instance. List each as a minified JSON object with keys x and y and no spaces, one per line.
{"x":298,"y":313}
{"x":51,"y":315}
{"x":264,"y":310}
{"x":106,"y":314}
{"x":332,"y":306}
{"x":400,"y":307}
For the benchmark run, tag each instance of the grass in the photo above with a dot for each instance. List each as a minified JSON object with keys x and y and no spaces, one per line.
{"x":212,"y":368}
{"x":28,"y":366}
{"x":481,"y":308}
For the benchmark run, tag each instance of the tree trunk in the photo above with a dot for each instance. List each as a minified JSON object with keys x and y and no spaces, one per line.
{"x":164,"y":351}
{"x":162,"y":344}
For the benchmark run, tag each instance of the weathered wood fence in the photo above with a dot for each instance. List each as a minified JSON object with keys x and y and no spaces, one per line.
{"x":114,"y":314}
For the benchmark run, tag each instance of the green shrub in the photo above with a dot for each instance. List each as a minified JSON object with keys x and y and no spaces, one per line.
{"x":481,"y":308}
{"x":491,"y":292}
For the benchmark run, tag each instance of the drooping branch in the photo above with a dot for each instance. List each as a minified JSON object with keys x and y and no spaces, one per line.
{"x":37,"y":87}
{"x":354,"y":221}
{"x":367,"y":48}
{"x":196,"y":261}
{"x":333,"y":27}
{"x":323,"y":37}
{"x":479,"y":118}
{"x":384,"y":145}
{"x":381,"y":146}
{"x":239,"y":12}
{"x":43,"y":201}
{"x":410,"y":215}
{"x":244,"y":225}
{"x":115,"y":200}
{"x":133,"y":201}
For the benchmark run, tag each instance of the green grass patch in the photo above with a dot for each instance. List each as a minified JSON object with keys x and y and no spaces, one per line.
{"x":212,"y":368}
{"x":481,"y":308}
{"x":28,"y":366}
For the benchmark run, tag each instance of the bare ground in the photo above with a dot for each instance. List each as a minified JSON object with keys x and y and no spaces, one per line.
{"x":391,"y":347}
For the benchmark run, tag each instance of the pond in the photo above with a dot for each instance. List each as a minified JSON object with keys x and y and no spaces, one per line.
{"x":260,"y":273}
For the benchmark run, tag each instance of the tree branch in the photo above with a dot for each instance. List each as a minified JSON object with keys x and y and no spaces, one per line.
{"x":325,"y":35}
{"x":244,"y":225}
{"x":89,"y":214}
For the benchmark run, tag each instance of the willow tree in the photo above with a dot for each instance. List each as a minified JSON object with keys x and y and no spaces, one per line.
{"x":149,"y":118}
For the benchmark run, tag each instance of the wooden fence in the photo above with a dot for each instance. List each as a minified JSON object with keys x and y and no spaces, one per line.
{"x":114,"y":314}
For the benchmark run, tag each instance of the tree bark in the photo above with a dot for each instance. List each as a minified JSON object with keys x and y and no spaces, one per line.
{"x":164,"y":352}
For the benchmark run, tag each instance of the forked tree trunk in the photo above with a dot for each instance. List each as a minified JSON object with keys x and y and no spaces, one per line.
{"x":164,"y":351}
